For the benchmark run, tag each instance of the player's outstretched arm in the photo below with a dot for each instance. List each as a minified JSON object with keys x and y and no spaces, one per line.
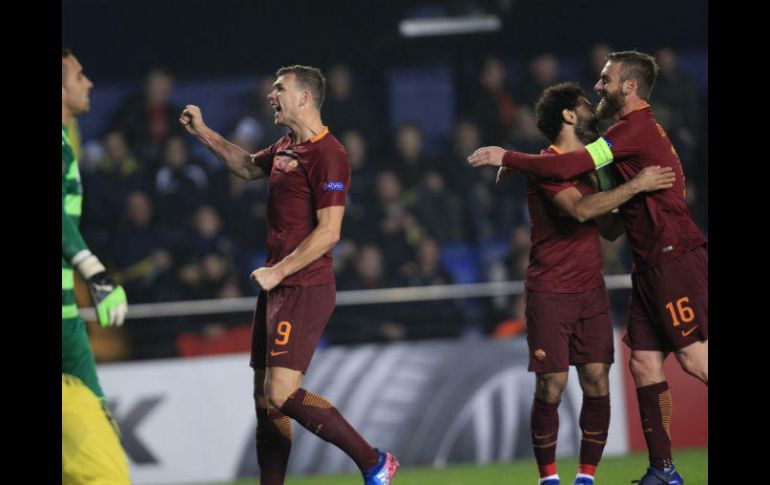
{"x":316,"y":244}
{"x":591,"y":206}
{"x":235,"y":158}
{"x":109,"y":298}
{"x":562,"y":166}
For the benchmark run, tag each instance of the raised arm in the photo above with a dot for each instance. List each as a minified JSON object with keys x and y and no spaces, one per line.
{"x":235,"y":158}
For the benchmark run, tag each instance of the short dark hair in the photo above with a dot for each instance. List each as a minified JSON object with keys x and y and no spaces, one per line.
{"x":65,"y":53}
{"x":639,"y":66}
{"x":309,"y":78}
{"x":552,"y":102}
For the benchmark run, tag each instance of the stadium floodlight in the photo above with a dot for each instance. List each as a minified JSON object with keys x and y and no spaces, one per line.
{"x":469,"y":24}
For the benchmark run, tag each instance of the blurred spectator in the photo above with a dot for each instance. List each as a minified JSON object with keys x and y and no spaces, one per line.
{"x":398,"y":230}
{"x":149,"y":118}
{"x":244,"y":210}
{"x":427,"y":270}
{"x":369,"y":269}
{"x":411,"y":163}
{"x":141,"y":257}
{"x":593,"y":68}
{"x":361,"y":206}
{"x":181,"y":186}
{"x":345,"y":108}
{"x":525,"y":137}
{"x":440,"y":211}
{"x":492,"y":103}
{"x":459,"y":174}
{"x":543,"y":72}
{"x":206,"y":235}
{"x":517,"y":259}
{"x":495,"y":207}
{"x":676,"y":90}
{"x":255,"y":126}
{"x":115,"y":175}
{"x":369,"y":322}
{"x":215,"y":270}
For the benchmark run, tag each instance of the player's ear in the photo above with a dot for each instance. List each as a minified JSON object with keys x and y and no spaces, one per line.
{"x":568,"y":116}
{"x":629,"y":86}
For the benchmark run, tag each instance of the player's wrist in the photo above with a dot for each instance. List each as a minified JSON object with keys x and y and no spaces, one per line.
{"x":279,"y":271}
{"x":87,"y":265}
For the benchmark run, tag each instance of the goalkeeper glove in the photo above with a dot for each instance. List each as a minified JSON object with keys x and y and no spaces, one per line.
{"x":109,"y":298}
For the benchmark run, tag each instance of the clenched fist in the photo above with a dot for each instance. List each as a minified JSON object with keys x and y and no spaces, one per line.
{"x":192,"y":119}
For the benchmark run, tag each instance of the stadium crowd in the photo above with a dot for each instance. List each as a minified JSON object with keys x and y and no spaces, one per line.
{"x":172,"y":225}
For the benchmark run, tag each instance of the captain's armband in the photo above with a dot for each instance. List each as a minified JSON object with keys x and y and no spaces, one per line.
{"x":600,"y":152}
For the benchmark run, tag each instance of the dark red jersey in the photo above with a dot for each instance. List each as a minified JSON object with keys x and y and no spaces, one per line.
{"x":304,"y":178}
{"x":566,"y":256}
{"x":658,"y":224}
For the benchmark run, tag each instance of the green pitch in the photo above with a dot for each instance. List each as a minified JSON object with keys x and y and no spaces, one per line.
{"x":692,"y":464}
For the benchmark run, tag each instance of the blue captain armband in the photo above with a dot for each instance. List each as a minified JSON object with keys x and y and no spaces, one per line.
{"x":600,"y":152}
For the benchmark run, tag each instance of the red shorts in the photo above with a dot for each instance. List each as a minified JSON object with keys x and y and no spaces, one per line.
{"x":669,"y":304}
{"x":566,"y":329}
{"x":288,"y":323}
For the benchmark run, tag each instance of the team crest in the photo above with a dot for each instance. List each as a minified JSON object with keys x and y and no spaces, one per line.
{"x":285,"y":163}
{"x":540,"y":355}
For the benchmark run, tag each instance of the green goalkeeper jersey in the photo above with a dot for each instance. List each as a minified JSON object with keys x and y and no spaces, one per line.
{"x":71,"y":240}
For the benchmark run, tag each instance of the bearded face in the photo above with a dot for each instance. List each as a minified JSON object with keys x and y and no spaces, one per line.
{"x":611,"y":103}
{"x":587,"y":125}
{"x":587,"y":128}
{"x":609,"y":88}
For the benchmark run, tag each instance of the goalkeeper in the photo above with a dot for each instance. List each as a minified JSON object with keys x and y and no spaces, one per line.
{"x":109,"y":299}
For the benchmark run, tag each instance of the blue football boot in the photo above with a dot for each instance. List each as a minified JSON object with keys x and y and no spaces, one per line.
{"x":655,"y":476}
{"x":383,"y":472}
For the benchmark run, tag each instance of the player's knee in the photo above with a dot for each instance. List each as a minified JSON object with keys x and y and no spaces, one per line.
{"x":595,"y":382}
{"x":645,"y":371}
{"x":278,"y":391}
{"x":549,"y":387}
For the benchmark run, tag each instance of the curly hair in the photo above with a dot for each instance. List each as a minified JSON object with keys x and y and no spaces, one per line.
{"x":552,"y":102}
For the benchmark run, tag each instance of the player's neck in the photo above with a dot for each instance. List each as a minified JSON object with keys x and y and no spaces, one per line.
{"x":66,"y":117}
{"x":632,"y":104}
{"x":568,"y":142}
{"x":305,"y":129}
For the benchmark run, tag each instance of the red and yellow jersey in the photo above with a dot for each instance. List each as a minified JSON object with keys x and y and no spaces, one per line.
{"x":304,"y":178}
{"x":566,"y":256}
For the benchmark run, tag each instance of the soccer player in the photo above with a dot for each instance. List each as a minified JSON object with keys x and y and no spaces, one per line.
{"x":568,"y":310}
{"x":669,"y":297}
{"x":109,"y":299}
{"x":309,"y":179}
{"x":90,"y":447}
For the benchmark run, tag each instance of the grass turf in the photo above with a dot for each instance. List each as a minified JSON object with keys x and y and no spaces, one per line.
{"x":691,"y":463}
